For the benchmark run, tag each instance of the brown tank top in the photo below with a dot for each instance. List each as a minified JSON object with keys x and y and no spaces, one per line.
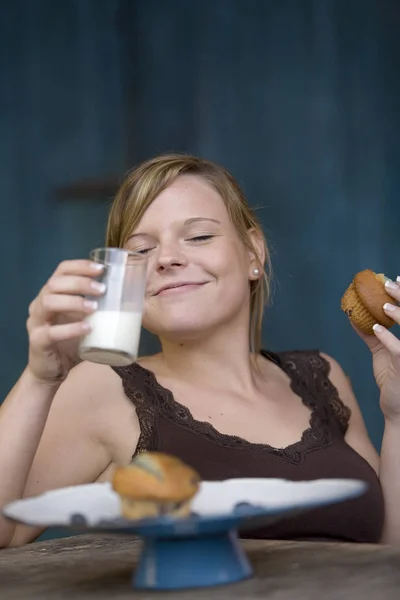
{"x":167,"y":426}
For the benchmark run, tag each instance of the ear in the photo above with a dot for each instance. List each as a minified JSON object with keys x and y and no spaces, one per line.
{"x":257,"y":255}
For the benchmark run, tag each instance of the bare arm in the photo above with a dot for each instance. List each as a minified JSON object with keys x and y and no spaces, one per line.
{"x":71,"y":443}
{"x":55,"y":326}
{"x":22,"y":419}
{"x":387,"y":466}
{"x":390,"y":480}
{"x":356,"y":435}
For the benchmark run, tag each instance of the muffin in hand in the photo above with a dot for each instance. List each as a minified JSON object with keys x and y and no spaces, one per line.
{"x":155,"y":484}
{"x":364,"y":299}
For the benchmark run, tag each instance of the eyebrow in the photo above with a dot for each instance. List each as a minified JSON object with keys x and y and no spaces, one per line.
{"x":186,"y":223}
{"x":198,"y":219}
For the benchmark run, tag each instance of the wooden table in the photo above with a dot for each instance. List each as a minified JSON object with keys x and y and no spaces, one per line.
{"x":96,"y":566}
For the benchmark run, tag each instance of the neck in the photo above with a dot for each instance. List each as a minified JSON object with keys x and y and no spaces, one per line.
{"x":223,"y":356}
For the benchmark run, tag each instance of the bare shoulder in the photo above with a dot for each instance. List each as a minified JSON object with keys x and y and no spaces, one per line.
{"x":90,"y":383}
{"x":91,"y":379}
{"x":338,"y":377}
{"x":95,"y":393}
{"x":342,"y":383}
{"x":356,"y":436}
{"x":91,"y":427}
{"x":87,"y":389}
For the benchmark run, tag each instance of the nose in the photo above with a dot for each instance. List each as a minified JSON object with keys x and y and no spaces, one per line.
{"x":170,"y":255}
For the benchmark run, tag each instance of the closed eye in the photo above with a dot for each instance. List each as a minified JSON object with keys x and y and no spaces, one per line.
{"x":143,"y":250}
{"x":196,"y":239}
{"x":201,"y":238}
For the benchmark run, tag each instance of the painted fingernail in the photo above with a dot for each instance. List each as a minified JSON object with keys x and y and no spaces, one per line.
{"x":91,"y":304}
{"x":97,"y":266}
{"x":389,"y":307}
{"x":378,"y":328}
{"x":85,"y":326}
{"x":98,"y":286}
{"x":392,"y":285}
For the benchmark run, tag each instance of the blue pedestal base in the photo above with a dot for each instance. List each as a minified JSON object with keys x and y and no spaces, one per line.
{"x":177,"y":563}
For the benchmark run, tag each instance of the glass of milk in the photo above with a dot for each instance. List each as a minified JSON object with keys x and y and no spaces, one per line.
{"x":116,"y":324}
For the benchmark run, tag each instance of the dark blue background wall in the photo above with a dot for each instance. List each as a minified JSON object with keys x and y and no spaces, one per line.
{"x":299,"y":99}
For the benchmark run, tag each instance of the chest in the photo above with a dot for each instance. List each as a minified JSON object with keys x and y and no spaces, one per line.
{"x":275,"y":416}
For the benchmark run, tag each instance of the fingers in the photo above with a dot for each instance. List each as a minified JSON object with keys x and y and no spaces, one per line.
{"x":74,"y":284}
{"x":45,"y":336}
{"x":61,"y":303}
{"x":57,"y":314}
{"x":382,"y":336}
{"x":65,"y":291}
{"x":87,"y":268}
{"x":386,"y":337}
{"x":393,"y":289}
{"x":390,"y":342}
{"x":369,"y":339}
{"x":392,"y":311}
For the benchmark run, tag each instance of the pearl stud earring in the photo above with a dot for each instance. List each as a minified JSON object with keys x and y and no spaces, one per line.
{"x":256,"y":272}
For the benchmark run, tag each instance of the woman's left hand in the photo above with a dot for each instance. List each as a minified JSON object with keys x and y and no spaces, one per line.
{"x":385,"y":348}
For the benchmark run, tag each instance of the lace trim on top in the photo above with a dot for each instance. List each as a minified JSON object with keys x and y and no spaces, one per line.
{"x":308,"y":372}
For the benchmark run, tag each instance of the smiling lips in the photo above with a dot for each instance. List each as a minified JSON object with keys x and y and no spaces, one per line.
{"x":179,"y":287}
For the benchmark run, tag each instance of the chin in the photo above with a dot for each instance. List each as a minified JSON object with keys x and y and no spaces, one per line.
{"x":188,"y":323}
{"x":181,"y":331}
{"x":181,"y":334}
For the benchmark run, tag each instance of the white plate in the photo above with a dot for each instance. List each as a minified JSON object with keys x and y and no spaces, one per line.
{"x":97,"y":502}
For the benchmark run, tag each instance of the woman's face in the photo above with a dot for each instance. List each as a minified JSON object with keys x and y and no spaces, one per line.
{"x":199,"y":270}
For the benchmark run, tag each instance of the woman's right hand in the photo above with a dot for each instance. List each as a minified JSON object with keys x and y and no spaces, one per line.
{"x":55,"y":324}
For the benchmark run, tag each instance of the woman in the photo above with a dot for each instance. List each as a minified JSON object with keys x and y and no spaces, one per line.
{"x":210,"y":396}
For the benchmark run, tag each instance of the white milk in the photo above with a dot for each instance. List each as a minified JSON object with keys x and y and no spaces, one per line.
{"x":114,"y":338}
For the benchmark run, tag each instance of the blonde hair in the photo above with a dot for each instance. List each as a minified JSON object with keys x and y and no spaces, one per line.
{"x":145,"y":182}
